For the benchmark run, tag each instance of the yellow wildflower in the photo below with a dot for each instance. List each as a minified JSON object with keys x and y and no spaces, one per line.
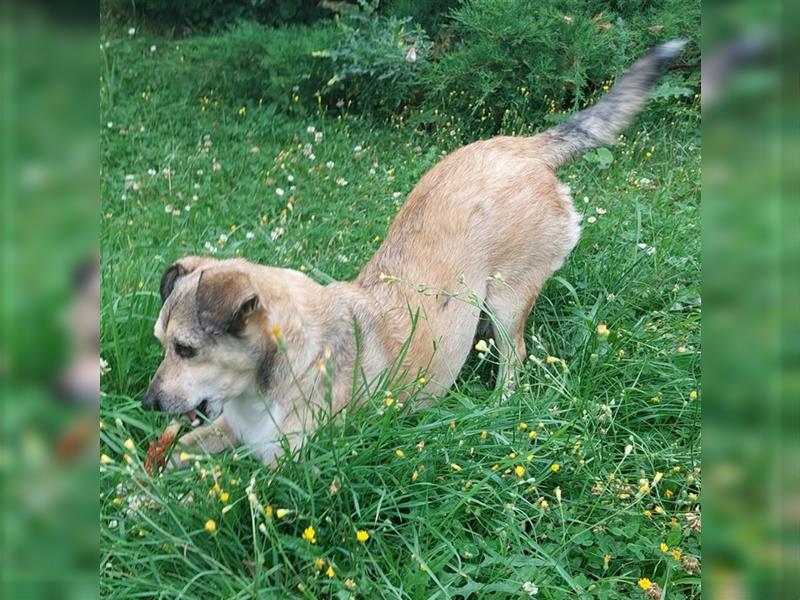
{"x":224,"y":497}
{"x":532,"y":435}
{"x":693,"y":395}
{"x":663,"y":547}
{"x":555,"y":467}
{"x":211,"y":526}
{"x":388,"y":401}
{"x":550,"y":360}
{"x":399,"y":453}
{"x":319,"y":563}
{"x":105,"y":459}
{"x":676,"y":554}
{"x":129,"y":445}
{"x":282,"y":512}
{"x":362,"y":536}
{"x":310,"y":535}
{"x":455,"y":467}
{"x":277,"y":332}
{"x":519,"y":470}
{"x":484,"y":435}
{"x":481,"y":346}
{"x":602,"y":330}
{"x":268,"y":511}
{"x":330,"y":572}
{"x":523,"y":426}
{"x":645,"y":583}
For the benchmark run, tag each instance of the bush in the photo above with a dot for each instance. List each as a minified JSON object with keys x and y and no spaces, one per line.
{"x":190,"y":15}
{"x":505,"y":65}
{"x":376,"y":59}
{"x":252,"y":63}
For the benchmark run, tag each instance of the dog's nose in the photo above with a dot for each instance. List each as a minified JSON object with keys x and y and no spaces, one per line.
{"x":152,"y":400}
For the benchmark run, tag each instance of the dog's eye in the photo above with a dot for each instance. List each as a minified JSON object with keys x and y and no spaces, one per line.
{"x":184,"y":351}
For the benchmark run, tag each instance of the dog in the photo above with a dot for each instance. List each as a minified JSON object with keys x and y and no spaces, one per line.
{"x":260,"y":351}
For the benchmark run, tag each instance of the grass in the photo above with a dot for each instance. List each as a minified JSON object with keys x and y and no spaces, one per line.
{"x":190,"y":171}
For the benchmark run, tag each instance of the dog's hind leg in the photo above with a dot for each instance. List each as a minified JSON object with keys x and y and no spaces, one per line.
{"x":509,"y":313}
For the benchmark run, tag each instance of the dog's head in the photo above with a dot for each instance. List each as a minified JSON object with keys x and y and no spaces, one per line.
{"x":210,"y":326}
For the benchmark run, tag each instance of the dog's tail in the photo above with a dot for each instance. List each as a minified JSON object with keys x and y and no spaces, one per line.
{"x":602,"y":123}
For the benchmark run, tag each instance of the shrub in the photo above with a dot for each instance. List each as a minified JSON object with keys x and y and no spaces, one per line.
{"x":376,"y":58}
{"x":190,"y":15}
{"x":253,"y":63}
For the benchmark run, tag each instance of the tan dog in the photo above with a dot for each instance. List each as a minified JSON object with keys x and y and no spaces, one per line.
{"x":261,"y":351}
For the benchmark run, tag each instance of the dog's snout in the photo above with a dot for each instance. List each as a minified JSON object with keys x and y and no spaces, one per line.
{"x":152,"y":399}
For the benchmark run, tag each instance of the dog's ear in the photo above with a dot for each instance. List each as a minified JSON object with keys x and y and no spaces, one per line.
{"x":179,"y":269}
{"x":225,"y":300}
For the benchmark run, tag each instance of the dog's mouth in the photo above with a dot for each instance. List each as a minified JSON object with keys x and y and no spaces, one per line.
{"x":198,"y":414}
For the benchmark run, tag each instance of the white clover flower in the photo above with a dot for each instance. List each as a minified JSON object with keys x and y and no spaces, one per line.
{"x":279,"y":191}
{"x":290,"y":178}
{"x":318,"y":136}
{"x":330,"y":164}
{"x":153,"y":48}
{"x":104,"y":368}
{"x":341,"y":181}
{"x":310,"y":129}
{"x":151,"y":172}
{"x":132,"y":31}
{"x":249,"y":235}
{"x":529,"y":588}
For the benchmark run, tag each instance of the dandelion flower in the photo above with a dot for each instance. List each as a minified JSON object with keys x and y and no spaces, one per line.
{"x":555,"y":467}
{"x":693,"y":395}
{"x":663,"y":547}
{"x":645,"y":583}
{"x":676,"y":554}
{"x":224,"y":497}
{"x":523,"y":426}
{"x":399,"y":453}
{"x":319,"y":563}
{"x":330,"y":572}
{"x":310,"y":535}
{"x":532,"y":435}
{"x":519,"y":470}
{"x":388,"y":401}
{"x":211,"y":526}
{"x":362,"y":536}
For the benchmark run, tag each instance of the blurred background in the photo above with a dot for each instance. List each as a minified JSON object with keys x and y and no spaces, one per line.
{"x":49,"y":356}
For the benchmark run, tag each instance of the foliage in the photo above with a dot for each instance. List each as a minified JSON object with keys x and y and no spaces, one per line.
{"x":377,"y":57}
{"x":198,"y":15}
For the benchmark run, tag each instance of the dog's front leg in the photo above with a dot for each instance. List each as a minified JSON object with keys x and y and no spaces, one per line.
{"x":208,"y":439}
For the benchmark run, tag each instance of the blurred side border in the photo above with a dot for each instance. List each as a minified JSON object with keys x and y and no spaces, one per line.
{"x":50,"y":161}
{"x":750,"y":317}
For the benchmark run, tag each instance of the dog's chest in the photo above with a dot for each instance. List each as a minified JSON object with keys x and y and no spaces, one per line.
{"x":257,"y":424}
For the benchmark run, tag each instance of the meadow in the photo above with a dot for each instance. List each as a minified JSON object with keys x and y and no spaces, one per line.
{"x":585,"y":482}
